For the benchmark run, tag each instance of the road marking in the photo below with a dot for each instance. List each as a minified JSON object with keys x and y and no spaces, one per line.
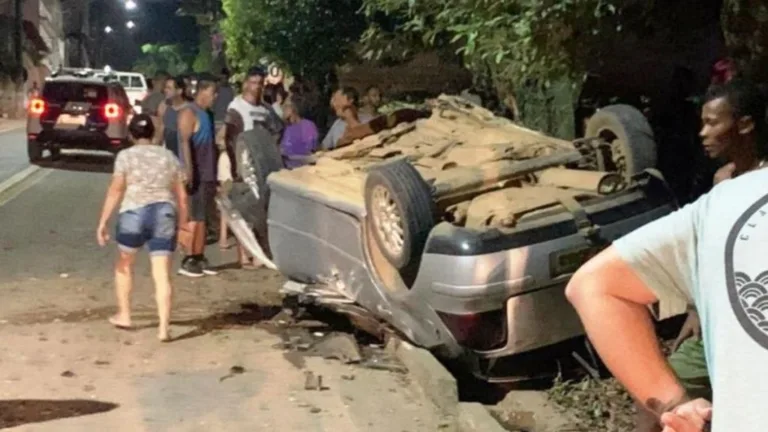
{"x":20,"y":182}
{"x":11,"y":129}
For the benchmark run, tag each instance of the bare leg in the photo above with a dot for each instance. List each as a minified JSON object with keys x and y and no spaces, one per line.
{"x":123,"y":288}
{"x":223,"y":240}
{"x":198,"y":238}
{"x":161,"y":268}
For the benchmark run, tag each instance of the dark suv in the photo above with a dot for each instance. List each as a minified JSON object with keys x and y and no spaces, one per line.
{"x":78,"y":112}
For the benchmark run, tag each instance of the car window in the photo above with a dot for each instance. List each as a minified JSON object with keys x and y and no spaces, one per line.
{"x":136,"y":82}
{"x":125,"y":80}
{"x":63,"y":92}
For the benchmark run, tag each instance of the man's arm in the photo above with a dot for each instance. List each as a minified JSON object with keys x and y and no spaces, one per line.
{"x":187,"y":122}
{"x":653,"y":266}
{"x":234,"y":126}
{"x":159,"y":125}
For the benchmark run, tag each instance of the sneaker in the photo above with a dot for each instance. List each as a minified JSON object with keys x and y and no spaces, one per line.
{"x":191,"y":267}
{"x":206,"y":267}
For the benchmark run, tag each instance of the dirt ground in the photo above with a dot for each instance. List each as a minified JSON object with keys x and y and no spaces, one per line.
{"x":65,"y":368}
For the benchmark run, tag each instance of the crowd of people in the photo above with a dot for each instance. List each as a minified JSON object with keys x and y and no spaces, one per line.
{"x":164,"y":187}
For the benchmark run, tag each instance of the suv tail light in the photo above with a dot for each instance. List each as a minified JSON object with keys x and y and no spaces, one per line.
{"x":37,"y":106}
{"x":112,"y":110}
{"x":482,"y":331}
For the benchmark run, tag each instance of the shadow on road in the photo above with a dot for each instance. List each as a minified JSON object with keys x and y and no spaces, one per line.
{"x":80,"y":162}
{"x":249,"y":314}
{"x":23,"y":411}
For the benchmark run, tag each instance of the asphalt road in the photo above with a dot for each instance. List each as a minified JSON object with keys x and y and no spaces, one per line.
{"x":66,"y":369}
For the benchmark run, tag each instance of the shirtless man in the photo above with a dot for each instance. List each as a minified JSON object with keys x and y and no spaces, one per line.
{"x":702,"y":255}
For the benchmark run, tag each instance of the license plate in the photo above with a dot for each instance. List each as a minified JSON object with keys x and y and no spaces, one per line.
{"x":67,"y":119}
{"x":569,"y":260}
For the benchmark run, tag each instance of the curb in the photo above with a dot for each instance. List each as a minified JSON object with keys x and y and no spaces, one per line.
{"x":440,"y":387}
{"x":18,"y":178}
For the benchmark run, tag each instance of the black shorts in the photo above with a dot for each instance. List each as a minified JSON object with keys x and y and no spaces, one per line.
{"x":200,"y":198}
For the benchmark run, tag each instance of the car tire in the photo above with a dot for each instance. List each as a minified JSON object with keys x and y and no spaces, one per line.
{"x":625,"y":128}
{"x":34,"y":150}
{"x":55,"y":153}
{"x":400,"y":211}
{"x":257,"y":157}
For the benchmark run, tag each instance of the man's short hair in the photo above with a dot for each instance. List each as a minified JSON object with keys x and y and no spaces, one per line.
{"x":205,"y":81}
{"x":256,"y":71}
{"x":744,"y":97}
{"x":179,"y":82}
{"x":352,"y":94}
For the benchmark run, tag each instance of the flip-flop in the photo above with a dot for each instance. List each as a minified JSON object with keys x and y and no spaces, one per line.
{"x":118,"y":325}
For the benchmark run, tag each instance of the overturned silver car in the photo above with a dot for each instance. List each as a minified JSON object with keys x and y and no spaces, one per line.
{"x":459,"y":229}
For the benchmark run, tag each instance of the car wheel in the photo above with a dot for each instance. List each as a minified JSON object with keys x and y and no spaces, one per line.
{"x":257,"y":157}
{"x":401,"y":211}
{"x":55,"y":153}
{"x":632,"y":148}
{"x":34,"y":150}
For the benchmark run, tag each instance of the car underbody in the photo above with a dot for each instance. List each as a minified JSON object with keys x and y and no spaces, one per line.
{"x":458,"y":229}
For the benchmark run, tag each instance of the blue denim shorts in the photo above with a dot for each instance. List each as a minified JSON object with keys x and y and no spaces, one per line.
{"x":153,"y":225}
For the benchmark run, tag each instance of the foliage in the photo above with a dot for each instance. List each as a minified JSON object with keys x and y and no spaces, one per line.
{"x":597,"y":405}
{"x":204,"y":60}
{"x":745,"y":27}
{"x":155,"y":58}
{"x":519,"y":39}
{"x":537,"y":50}
{"x":309,"y":37}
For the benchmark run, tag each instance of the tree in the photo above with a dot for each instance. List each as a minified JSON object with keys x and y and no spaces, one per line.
{"x":168,"y":58}
{"x":535,"y":48}
{"x":309,"y":37}
{"x":745,"y":27}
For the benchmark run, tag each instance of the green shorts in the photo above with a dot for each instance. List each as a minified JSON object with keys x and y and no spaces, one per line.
{"x":690,"y":366}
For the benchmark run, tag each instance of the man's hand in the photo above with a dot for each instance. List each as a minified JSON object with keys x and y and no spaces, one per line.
{"x":102,"y":235}
{"x":691,"y":328}
{"x":693,"y":416}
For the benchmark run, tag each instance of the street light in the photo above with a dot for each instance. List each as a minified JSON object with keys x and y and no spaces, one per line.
{"x":130,"y":5}
{"x":107,"y":29}
{"x":130,"y":24}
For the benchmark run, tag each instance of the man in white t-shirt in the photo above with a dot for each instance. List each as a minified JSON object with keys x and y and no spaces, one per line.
{"x":710,"y":254}
{"x":243,"y":114}
{"x":344,"y":103}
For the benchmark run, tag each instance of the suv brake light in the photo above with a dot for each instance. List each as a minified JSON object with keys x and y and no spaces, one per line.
{"x":37,"y":106}
{"x":111,"y":110}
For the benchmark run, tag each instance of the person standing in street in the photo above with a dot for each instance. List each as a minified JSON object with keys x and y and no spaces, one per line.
{"x":300,"y":138}
{"x":154,"y":100}
{"x":169,"y":114}
{"x":344,"y":102}
{"x":709,"y":254}
{"x":197,"y":150}
{"x":246,"y":112}
{"x":371,"y":102}
{"x":148,"y":186}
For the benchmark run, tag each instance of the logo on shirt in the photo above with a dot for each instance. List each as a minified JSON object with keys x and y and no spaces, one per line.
{"x":746,"y":271}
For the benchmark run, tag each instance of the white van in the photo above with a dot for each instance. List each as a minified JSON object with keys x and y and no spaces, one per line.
{"x":135,"y":86}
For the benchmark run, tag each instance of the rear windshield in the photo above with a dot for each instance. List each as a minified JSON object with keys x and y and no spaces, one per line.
{"x":62,"y":92}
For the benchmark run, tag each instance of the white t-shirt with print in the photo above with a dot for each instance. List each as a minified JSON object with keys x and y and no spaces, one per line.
{"x":712,"y":253}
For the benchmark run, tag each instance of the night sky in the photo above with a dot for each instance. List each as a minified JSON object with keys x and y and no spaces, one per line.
{"x":156,"y":22}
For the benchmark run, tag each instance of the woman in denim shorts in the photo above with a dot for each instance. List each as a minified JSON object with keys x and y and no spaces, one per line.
{"x":148,"y":185}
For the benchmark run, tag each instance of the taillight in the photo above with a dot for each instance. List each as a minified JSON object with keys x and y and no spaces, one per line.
{"x":482,"y":331}
{"x":111,"y":111}
{"x":37,"y":106}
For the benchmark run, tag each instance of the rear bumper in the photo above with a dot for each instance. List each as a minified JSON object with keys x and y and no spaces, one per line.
{"x":79,"y":139}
